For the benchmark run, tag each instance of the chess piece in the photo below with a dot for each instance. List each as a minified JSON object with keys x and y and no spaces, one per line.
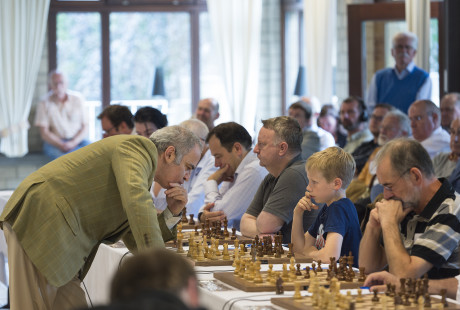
{"x":375,"y":298}
{"x":359,"y":298}
{"x":184,"y":216}
{"x":234,"y":234}
{"x":398,"y":299}
{"x":307,"y":273}
{"x":362,"y":276}
{"x":443,"y":297}
{"x":313,"y":267}
{"x":179,"y":231}
{"x":191,"y":221}
{"x":319,"y":269}
{"x":285,"y":274}
{"x":270,"y":270}
{"x":180,"y":248}
{"x":298,"y":272}
{"x":290,"y":253}
{"x":297,"y":294}
{"x":196,"y":231}
{"x":200,"y":252}
{"x":225,"y":254}
{"x":279,"y":286}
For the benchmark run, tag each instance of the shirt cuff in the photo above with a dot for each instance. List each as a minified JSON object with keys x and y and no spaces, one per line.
{"x":171,"y":220}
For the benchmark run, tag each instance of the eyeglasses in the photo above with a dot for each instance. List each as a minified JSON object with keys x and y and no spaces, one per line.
{"x":389,"y":187}
{"x":106,"y":133}
{"x":401,"y":47}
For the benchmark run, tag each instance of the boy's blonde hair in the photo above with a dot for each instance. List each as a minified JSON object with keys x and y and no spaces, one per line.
{"x":333,"y":162}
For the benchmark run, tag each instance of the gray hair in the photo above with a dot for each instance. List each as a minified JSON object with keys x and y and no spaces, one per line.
{"x":182,"y":139}
{"x":430,"y":109}
{"x":454,"y":97}
{"x":197,"y":127}
{"x":286,"y":130}
{"x":405,"y":154}
{"x":403,"y":120}
{"x":406,"y":34}
{"x":52,"y":73}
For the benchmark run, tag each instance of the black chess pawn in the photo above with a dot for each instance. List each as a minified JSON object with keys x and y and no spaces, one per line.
{"x":375,"y":298}
{"x":319,"y":269}
{"x":298,"y":272}
{"x":398,"y":299}
{"x":307,"y":273}
{"x":279,"y":286}
{"x":191,"y":221}
{"x":233,"y":233}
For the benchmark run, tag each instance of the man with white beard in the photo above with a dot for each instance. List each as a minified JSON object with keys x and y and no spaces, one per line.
{"x":403,"y":84}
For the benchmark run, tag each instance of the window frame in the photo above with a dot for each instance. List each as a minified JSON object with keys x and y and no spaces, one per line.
{"x":104,"y":8}
{"x":394,"y":11}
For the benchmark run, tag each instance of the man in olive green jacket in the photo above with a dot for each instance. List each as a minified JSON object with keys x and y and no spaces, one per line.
{"x":59,"y":215}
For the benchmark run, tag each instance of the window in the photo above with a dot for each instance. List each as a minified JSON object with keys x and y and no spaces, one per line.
{"x":110,"y":52}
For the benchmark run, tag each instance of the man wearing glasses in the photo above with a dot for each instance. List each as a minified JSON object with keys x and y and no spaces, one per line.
{"x":116,"y":120}
{"x":403,"y":84}
{"x":415,"y":229}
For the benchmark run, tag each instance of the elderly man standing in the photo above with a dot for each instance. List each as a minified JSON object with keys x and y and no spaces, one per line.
{"x":354,"y":117}
{"x":61,"y":118}
{"x":279,"y":151}
{"x":59,"y":215}
{"x":450,"y":109}
{"x":207,"y":111}
{"x":403,"y":84}
{"x":418,"y":219}
{"x":425,"y":121}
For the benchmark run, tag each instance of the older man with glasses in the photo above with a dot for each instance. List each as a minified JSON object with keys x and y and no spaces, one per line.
{"x":418,"y":220}
{"x":403,"y":84}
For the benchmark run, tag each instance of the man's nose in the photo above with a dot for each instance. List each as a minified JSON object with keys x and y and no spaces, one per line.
{"x":187,"y":175}
{"x":387,"y":194}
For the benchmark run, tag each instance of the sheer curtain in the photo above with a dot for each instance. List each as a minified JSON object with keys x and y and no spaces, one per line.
{"x":418,"y":22}
{"x":236,"y":28}
{"x":22,"y":32}
{"x":320,"y":32}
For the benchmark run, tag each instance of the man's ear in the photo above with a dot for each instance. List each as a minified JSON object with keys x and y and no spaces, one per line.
{"x":283,"y":148}
{"x":238,"y":148}
{"x":170,"y":154}
{"x":415,"y":175}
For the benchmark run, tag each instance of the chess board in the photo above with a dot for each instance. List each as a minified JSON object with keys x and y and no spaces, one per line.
{"x":268,"y":284}
{"x":306,"y":303}
{"x":199,"y":237}
{"x":266,"y":259}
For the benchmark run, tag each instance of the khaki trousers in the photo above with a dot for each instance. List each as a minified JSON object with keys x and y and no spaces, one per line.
{"x":29,"y":289}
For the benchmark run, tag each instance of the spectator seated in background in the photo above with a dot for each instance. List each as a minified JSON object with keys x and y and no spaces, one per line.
{"x":325,"y":138}
{"x":336,"y":230}
{"x":403,"y":84}
{"x":155,"y":279}
{"x":207,"y":111}
{"x":394,"y":125}
{"x":362,"y":152}
{"x":445,"y":163}
{"x":418,"y":219}
{"x":450,"y":109}
{"x":147,"y":120}
{"x":279,"y":151}
{"x":116,"y":120}
{"x":329,"y":120}
{"x":425,"y":120}
{"x":354,"y":117}
{"x":61,"y":118}
{"x":230,"y":190}
{"x":195,"y":184}
{"x":302,"y":112}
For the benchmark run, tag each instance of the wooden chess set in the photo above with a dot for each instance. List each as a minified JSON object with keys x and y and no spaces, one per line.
{"x":413,"y":294}
{"x":217,"y":230}
{"x":262,"y":250}
{"x":248,"y":277}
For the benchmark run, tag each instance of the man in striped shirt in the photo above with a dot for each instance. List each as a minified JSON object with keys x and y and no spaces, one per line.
{"x":418,"y":220}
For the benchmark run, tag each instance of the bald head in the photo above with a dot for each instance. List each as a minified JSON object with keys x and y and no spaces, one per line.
{"x":450,"y":109}
{"x":207,"y":111}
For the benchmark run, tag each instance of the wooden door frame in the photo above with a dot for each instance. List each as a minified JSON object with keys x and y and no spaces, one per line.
{"x":360,"y":13}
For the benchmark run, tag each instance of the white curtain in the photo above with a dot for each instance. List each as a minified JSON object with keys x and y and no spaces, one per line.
{"x":418,"y":22}
{"x":320,"y":32}
{"x":22,"y":32}
{"x":236,"y":34}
